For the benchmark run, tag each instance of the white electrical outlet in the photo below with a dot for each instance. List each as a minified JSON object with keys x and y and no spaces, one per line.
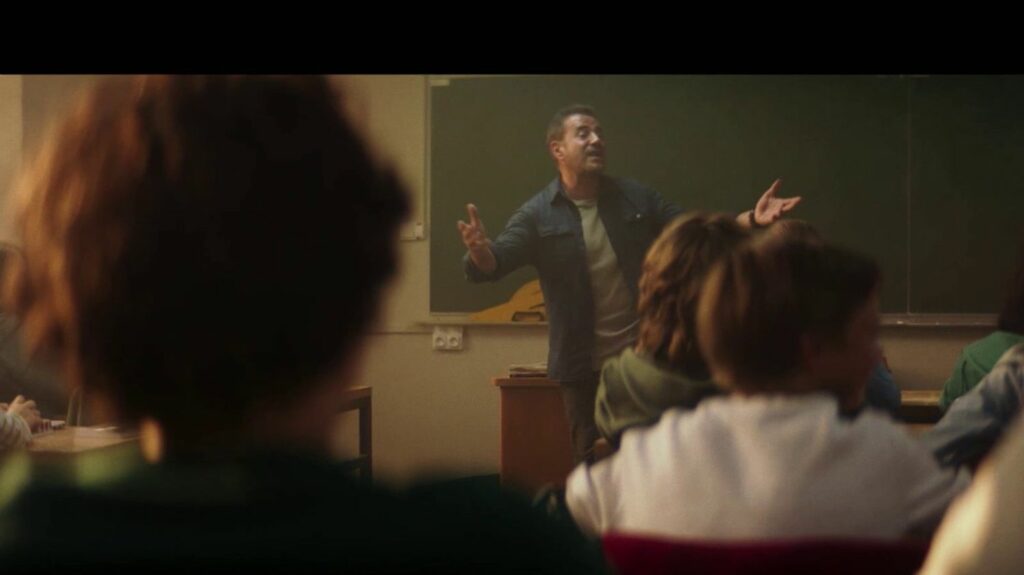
{"x":440,"y":341}
{"x":447,"y":338}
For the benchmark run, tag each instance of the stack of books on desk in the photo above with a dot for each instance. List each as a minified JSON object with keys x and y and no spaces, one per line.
{"x":539,"y":369}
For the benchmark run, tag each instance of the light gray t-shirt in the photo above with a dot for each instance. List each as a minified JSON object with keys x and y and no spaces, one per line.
{"x":615,"y":318}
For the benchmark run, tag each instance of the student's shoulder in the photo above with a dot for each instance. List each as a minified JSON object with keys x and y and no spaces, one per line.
{"x":875,"y":431}
{"x":673,"y":423}
{"x":994,"y":346}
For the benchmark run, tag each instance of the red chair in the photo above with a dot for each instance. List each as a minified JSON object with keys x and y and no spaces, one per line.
{"x":644,"y":555}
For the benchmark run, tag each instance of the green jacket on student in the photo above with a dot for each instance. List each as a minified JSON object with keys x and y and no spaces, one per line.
{"x":974,"y":363}
{"x":635,"y":390}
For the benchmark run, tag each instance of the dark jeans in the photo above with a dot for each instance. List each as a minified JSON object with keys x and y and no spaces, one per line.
{"x":578,"y":397}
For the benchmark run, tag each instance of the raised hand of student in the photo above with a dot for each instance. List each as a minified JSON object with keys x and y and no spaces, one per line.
{"x":28,"y":411}
{"x":769,"y":208}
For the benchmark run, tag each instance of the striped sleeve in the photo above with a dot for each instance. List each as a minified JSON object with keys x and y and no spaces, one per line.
{"x":14,"y":432}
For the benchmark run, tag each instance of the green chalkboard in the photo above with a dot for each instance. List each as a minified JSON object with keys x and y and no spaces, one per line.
{"x":967,"y":198}
{"x":920,"y":173}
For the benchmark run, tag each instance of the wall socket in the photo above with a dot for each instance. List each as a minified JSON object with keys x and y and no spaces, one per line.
{"x":447,"y":338}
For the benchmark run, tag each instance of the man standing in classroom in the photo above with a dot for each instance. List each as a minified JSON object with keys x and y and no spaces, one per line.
{"x":586,"y":233}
